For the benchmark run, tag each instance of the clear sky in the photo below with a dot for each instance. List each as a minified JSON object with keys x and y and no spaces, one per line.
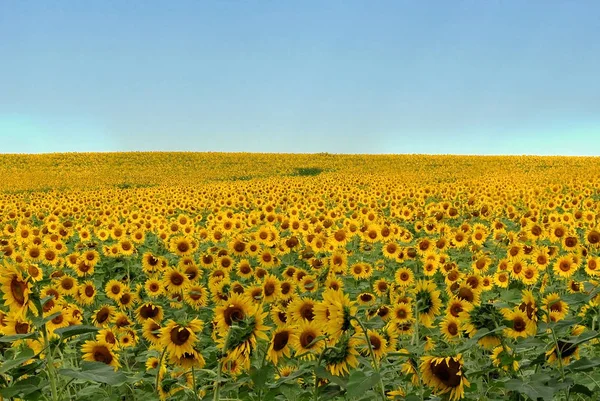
{"x":340,"y":76}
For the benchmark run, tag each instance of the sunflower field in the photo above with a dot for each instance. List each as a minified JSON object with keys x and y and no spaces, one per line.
{"x":212,"y":276}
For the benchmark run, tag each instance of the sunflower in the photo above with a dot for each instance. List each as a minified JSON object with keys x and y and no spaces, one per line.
{"x":58,"y":321}
{"x":99,"y":351}
{"x":280,"y":344}
{"x":196,"y":296}
{"x":243,"y":336}
{"x":540,"y":257}
{"x":190,"y":269}
{"x":114,"y":289}
{"x":188,"y":360}
{"x":530,"y":275}
{"x":103,"y":316}
{"x":430,"y":268}
{"x":391,"y":250}
{"x":149,"y":311}
{"x":428,"y":301}
{"x":341,"y":358}
{"x":121,"y":320}
{"x":566,"y":349}
{"x":592,"y":237}
{"x":501,"y":279}
{"x":456,"y":306}
{"x":404,"y":277}
{"x":127,"y":339}
{"x":450,"y":328}
{"x":34,"y":253}
{"x":518,"y":324}
{"x":306,"y":342}
{"x":151,"y":331}
{"x":334,"y":313}
{"x":528,"y":305}
{"x":402,"y":312}
{"x":34,"y":272}
{"x":150,"y":263}
{"x":179,"y":339}
{"x":152,"y":363}
{"x":237,"y":308}
{"x":592,"y":266}
{"x":359,"y":271}
{"x":309,"y":284}
{"x":381,"y":287}
{"x":444,"y":375}
{"x":287,"y":290}
{"x":14,"y":324}
{"x":244,"y":269}
{"x":365,"y":298}
{"x":174,"y":280}
{"x":379,"y":344}
{"x":301,"y":309}
{"x":271,"y":288}
{"x":501,"y":355}
{"x":16,"y":289}
{"x":153,"y":287}
{"x":109,"y":336}
{"x":565,"y":266}
{"x":127,"y":300}
{"x":480,"y":317}
{"x":279,"y":315}
{"x":555,"y":306}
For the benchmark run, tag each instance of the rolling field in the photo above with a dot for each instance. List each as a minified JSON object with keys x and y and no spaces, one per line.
{"x":235,"y":276}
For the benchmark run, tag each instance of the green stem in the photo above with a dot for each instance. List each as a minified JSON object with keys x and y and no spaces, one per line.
{"x":559,"y":355}
{"x":373,"y":358}
{"x":217,"y":384}
{"x":418,"y":350}
{"x":50,"y":364}
{"x":159,"y":368}
{"x":194,"y":383}
{"x":316,"y":390}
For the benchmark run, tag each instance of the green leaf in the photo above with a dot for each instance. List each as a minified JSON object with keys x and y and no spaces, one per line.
{"x":16,"y":337}
{"x":39,"y":321}
{"x":583,"y":365}
{"x":359,"y":382}
{"x":23,"y":356}
{"x":321,"y":372}
{"x":70,"y":331}
{"x":533,"y":389}
{"x":24,"y":387}
{"x":259,"y":376}
{"x":581,"y":389}
{"x":586,"y":336}
{"x":96,"y":372}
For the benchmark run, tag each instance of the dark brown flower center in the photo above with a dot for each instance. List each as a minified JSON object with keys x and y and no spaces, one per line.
{"x":21,"y":328}
{"x":375,"y":342}
{"x":149,"y":311}
{"x":102,"y":354}
{"x":17,"y":288}
{"x":306,"y":311}
{"x":233,"y":314}
{"x":306,"y":338}
{"x":280,"y":340}
{"x":519,"y":324}
{"x":177,"y":279}
{"x":102,"y":315}
{"x":269,"y":289}
{"x":179,"y":335}
{"x":447,"y":372}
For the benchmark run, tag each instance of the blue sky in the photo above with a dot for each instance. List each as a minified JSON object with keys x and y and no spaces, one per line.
{"x":462,"y":77}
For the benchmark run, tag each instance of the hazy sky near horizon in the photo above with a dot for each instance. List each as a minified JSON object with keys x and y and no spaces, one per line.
{"x":340,"y":76}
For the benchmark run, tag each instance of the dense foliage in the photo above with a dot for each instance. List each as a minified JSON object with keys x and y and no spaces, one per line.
{"x":298,"y":277}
